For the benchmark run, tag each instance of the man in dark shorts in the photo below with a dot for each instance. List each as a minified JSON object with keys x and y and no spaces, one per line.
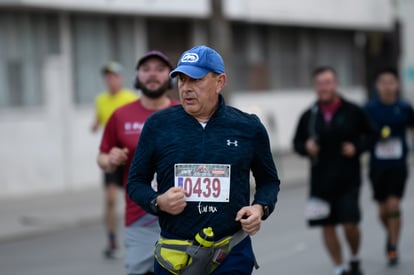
{"x":388,"y":164}
{"x":203,"y":152}
{"x":333,"y":133}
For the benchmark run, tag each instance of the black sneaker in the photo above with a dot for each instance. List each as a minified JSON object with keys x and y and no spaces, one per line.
{"x":392,"y":256}
{"x":355,"y":268}
{"x":345,"y":272}
{"x":111,"y":253}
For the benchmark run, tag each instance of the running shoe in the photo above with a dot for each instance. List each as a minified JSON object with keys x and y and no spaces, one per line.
{"x":111,"y":253}
{"x":392,"y":256}
{"x":355,"y":268}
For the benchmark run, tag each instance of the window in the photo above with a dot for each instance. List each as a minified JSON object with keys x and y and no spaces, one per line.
{"x":98,"y":40}
{"x":169,"y":36}
{"x":295,"y":52}
{"x":26,"y":39}
{"x":249,"y":57}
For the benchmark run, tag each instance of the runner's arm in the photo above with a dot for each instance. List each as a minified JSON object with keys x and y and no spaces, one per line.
{"x":264,"y":172}
{"x":104,"y":163}
{"x":410,"y":117}
{"x":301,"y":135}
{"x":109,"y":140}
{"x":95,"y":125}
{"x":369,"y":134}
{"x":142,"y":170}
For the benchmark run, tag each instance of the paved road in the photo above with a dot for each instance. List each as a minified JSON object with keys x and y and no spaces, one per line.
{"x":285,"y":245}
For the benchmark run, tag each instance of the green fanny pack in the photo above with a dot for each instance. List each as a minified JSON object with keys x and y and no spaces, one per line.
{"x":181,"y":257}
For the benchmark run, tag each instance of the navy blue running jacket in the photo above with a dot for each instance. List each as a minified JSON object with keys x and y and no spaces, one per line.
{"x":232,"y":137}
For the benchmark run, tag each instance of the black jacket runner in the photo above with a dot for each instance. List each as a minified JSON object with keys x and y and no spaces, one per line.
{"x":332,"y":174}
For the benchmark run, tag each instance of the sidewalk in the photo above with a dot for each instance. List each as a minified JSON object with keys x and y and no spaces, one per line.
{"x":29,"y":216}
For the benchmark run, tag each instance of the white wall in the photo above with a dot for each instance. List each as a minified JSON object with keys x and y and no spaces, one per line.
{"x":356,"y":14}
{"x":366,"y":14}
{"x":405,"y":12}
{"x":49,"y":149}
{"x":190,"y":8}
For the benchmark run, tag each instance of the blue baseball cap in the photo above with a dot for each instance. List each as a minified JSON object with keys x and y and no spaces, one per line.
{"x":198,"y":62}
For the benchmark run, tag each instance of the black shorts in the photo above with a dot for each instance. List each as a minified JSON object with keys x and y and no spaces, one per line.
{"x":344,"y":209}
{"x":117,"y":177}
{"x":387,"y":182}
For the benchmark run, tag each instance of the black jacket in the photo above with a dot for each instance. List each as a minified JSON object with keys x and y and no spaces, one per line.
{"x":332,"y":173}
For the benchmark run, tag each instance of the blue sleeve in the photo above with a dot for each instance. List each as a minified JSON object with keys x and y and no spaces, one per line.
{"x":264,"y":171}
{"x":142,"y":170}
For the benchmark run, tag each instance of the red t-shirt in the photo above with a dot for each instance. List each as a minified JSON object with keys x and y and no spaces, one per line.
{"x":329,"y":110}
{"x":123,"y":130}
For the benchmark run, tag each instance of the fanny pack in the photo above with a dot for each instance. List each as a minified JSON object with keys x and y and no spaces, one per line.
{"x":181,"y":257}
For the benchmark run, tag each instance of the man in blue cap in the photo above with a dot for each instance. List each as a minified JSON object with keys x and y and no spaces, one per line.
{"x":203,"y":152}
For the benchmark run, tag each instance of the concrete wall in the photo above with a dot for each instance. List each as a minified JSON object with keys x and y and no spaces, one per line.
{"x":355,"y":14}
{"x":405,"y":12}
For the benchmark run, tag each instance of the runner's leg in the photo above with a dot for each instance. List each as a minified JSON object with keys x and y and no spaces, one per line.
{"x":353,"y":237}
{"x":394,"y":227}
{"x":110,"y":213}
{"x":240,"y":260}
{"x":332,"y":244}
{"x":140,"y":238}
{"x":383,"y":214}
{"x":394,"y":219}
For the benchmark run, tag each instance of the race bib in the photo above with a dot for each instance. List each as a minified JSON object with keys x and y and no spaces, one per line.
{"x":389,"y":149}
{"x":204,"y":182}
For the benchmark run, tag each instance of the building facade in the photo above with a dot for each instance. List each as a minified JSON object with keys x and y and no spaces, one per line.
{"x":51,"y":53}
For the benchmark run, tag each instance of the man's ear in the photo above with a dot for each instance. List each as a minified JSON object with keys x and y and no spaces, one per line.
{"x":221,"y":81}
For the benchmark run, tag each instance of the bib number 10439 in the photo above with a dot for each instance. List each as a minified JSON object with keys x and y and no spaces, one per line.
{"x":204,"y":182}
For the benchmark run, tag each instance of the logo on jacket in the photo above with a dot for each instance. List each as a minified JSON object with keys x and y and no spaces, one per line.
{"x":234,"y":143}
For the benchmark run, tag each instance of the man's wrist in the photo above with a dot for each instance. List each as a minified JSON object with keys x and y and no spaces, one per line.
{"x":155,"y":208}
{"x":110,"y":167}
{"x":265,"y":211}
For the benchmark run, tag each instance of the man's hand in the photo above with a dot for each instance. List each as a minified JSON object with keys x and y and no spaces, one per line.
{"x":312,"y":148}
{"x":95,"y":126}
{"x":250,"y":218}
{"x":118,"y":156}
{"x":173,"y":201}
{"x":348,"y":149}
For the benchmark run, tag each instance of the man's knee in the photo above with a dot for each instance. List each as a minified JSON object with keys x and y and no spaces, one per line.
{"x":393,"y":207}
{"x":394,"y":214}
{"x":329,"y":229}
{"x":351,"y":228}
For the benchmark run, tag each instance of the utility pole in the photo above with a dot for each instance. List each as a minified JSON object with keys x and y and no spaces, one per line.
{"x":220,"y":39}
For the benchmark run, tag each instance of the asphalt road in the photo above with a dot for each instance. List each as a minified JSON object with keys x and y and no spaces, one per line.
{"x":285,"y":245}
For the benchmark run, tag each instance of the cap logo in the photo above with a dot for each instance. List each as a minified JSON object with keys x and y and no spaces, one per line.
{"x":190,"y":58}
